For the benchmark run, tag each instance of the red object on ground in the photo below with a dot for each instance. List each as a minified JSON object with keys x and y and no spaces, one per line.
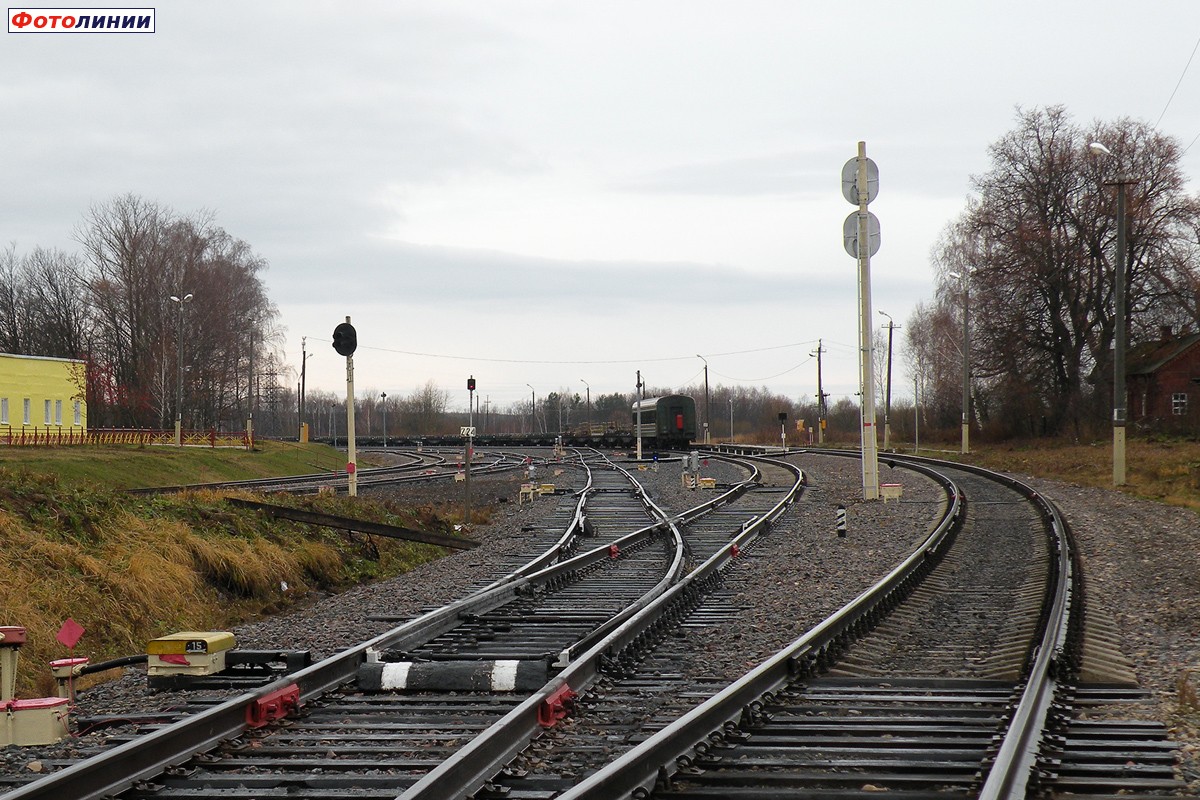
{"x":733,"y":551}
{"x":613,"y":551}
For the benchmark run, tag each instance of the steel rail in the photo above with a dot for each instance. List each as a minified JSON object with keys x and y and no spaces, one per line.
{"x":372,"y":476}
{"x":640,"y":768}
{"x":148,"y":756}
{"x":473,"y":765}
{"x":1053,"y":665}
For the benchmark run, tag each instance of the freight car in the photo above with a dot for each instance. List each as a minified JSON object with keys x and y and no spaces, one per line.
{"x":669,"y":421}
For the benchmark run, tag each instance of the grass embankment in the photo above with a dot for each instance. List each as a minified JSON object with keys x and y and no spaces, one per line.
{"x":129,"y":569}
{"x":1167,"y":471}
{"x":130,"y":467}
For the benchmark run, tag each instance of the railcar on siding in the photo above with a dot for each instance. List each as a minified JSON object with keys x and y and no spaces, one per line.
{"x":669,"y":421}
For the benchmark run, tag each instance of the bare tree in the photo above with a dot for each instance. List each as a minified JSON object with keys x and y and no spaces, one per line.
{"x":138,"y":255}
{"x":1035,"y":253}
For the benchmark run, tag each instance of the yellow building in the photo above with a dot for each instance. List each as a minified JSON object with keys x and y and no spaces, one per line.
{"x":41,"y":397}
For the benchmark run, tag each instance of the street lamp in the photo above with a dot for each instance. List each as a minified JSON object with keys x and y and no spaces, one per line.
{"x":887,"y":401}
{"x":589,"y":405}
{"x":179,"y":370}
{"x":383,"y":401}
{"x":1119,"y":314}
{"x":532,"y":410}
{"x":304,"y":357}
{"x":705,"y":360}
{"x":966,"y":356}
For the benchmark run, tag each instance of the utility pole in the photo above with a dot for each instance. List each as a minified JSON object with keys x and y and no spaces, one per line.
{"x":706,"y":417}
{"x":887,"y":402}
{"x":253,"y":393}
{"x":589,"y":405}
{"x":820,"y":398}
{"x":639,"y":396}
{"x":303,"y":370}
{"x":916,"y":415}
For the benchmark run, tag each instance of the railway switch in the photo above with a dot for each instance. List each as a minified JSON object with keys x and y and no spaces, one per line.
{"x":498,"y":675}
{"x":189,"y":653}
{"x":65,"y":670}
{"x":276,"y":705}
{"x":208,"y":660}
{"x":556,"y":706}
{"x":32,"y":722}
{"x":11,"y":639}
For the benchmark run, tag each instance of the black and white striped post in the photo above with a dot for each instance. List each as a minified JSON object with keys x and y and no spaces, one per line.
{"x":841,"y":521}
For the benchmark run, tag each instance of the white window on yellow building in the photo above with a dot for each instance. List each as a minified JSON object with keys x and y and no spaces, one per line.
{"x":58,"y":412}
{"x":46,"y":414}
{"x":78,"y":413}
{"x":3,"y":410}
{"x":28,"y":411}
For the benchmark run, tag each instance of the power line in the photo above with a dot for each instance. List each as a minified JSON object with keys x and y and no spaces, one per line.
{"x":546,"y":361}
{"x":1176,"y":89}
{"x":769,"y":377}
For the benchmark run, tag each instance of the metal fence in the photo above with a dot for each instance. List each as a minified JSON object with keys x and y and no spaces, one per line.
{"x":30,"y":436}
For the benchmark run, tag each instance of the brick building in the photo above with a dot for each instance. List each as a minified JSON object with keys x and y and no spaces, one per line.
{"x":1163,"y":381}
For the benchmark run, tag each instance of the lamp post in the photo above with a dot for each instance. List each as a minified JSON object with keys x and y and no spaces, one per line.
{"x":705,"y":360}
{"x":887,"y":401}
{"x":533,"y":410}
{"x":1119,"y":322}
{"x":966,"y":364}
{"x":182,"y":301}
{"x":589,"y":405}
{"x":383,"y":402}
{"x":304,"y":357}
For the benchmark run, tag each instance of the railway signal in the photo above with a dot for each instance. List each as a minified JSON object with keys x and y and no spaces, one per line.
{"x":345,"y":342}
{"x":469,"y":432}
{"x":860,"y":185}
{"x":345,"y":339}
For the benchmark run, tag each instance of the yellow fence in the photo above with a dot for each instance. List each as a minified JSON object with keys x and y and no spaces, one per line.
{"x":29,"y":436}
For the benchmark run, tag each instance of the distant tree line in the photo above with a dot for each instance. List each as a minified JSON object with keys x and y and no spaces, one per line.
{"x":110,"y":305}
{"x":1033,"y":257}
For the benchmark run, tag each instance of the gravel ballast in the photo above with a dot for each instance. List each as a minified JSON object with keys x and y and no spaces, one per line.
{"x":1141,"y":562}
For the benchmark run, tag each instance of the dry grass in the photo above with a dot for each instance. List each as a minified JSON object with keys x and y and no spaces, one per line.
{"x":131,"y":569}
{"x":1167,"y":471}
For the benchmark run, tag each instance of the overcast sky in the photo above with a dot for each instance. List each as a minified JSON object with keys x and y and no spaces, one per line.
{"x":550,"y":192}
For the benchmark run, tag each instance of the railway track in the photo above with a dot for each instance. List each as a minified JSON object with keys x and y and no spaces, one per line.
{"x":419,"y":468}
{"x":955,"y":676}
{"x":473,"y":636}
